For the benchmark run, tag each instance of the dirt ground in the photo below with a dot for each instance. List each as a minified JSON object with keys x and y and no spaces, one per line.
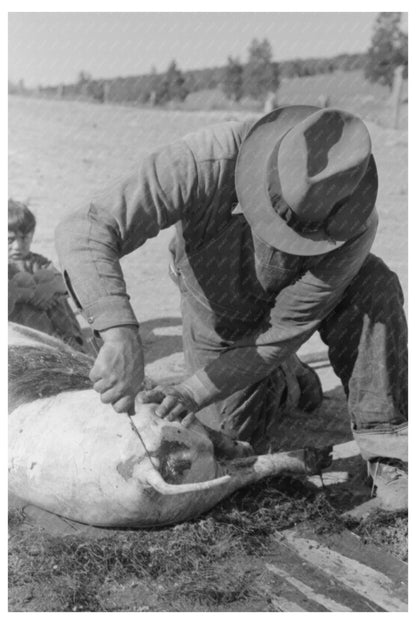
{"x":62,"y":153}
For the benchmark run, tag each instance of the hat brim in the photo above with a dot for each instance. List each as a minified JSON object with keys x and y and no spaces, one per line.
{"x":250,"y":181}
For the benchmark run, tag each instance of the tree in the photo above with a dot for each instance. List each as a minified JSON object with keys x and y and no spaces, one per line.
{"x":83,"y":83}
{"x":84,"y":77}
{"x":232,"y":84}
{"x":172,"y":86}
{"x":261,"y":74}
{"x":388,"y":49}
{"x":149,"y":92}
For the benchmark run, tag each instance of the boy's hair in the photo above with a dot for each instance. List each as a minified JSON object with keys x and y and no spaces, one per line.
{"x":21,"y":219}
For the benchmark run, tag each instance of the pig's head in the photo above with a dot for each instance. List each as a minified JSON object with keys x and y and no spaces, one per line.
{"x":179,"y":458}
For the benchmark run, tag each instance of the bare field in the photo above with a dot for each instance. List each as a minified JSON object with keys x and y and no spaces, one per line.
{"x":61,"y":154}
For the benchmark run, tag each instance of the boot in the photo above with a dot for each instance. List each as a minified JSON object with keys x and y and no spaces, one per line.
{"x":390,"y":483}
{"x":311,"y":395}
{"x":389,"y":489}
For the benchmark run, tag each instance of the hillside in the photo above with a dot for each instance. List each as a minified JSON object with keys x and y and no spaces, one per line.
{"x":347,"y":90}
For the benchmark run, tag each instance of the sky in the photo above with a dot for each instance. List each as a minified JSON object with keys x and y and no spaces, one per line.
{"x":51,"y":48}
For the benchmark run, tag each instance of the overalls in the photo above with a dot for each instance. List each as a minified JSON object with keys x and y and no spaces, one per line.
{"x":228,"y":287}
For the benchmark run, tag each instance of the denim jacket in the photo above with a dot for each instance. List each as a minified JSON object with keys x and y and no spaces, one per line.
{"x":262,"y":304}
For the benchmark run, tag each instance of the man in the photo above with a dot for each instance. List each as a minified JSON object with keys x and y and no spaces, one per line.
{"x":274,"y":225}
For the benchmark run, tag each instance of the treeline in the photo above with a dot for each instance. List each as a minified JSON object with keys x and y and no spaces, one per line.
{"x":258,"y":78}
{"x":158,"y":88}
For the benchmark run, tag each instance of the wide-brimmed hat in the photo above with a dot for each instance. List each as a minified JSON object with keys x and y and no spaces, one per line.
{"x":306,"y":179}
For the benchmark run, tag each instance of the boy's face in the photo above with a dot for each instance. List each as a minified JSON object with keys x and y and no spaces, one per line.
{"x":19,"y":244}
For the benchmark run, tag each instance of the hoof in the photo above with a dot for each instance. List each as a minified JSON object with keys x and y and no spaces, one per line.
{"x":317,"y":459}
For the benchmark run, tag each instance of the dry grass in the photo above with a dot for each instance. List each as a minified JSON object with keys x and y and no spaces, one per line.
{"x":387,"y":530}
{"x":192,"y":566}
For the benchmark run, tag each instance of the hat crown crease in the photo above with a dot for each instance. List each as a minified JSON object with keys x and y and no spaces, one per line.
{"x":322,"y":135}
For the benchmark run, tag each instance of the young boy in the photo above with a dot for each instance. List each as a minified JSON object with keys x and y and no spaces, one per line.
{"x":37,"y":292}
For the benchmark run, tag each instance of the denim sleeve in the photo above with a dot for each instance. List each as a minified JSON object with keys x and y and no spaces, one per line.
{"x":299,"y":309}
{"x":91,"y":241}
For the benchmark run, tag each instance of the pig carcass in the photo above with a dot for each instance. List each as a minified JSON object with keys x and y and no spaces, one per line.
{"x":75,"y":457}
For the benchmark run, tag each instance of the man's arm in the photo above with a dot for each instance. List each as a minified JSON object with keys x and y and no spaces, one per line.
{"x":298,"y":311}
{"x":90,"y":244}
{"x":166,"y":187}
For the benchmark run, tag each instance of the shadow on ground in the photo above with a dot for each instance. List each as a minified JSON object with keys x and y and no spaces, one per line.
{"x":329,"y":424}
{"x":161,"y":337}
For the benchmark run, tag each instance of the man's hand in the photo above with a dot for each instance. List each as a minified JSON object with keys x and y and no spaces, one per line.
{"x":175,"y":403}
{"x":118,"y":371}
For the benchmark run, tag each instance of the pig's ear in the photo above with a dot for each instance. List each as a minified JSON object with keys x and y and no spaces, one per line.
{"x":156,"y":481}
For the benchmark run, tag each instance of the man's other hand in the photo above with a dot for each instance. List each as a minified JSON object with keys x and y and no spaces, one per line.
{"x":118,"y":371}
{"x":175,"y":404}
